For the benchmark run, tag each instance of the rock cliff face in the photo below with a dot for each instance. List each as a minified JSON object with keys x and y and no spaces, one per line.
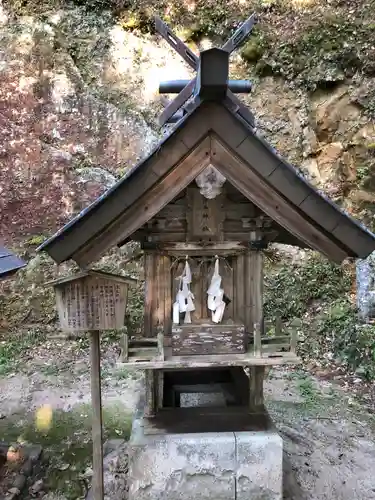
{"x":72,"y":121}
{"x":78,"y":103}
{"x":78,"y":97}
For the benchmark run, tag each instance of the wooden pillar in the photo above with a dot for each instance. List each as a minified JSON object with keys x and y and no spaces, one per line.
{"x":256,"y":402}
{"x":150,"y":407}
{"x":255,"y":263}
{"x":149,"y":269}
{"x":255,"y":274}
{"x":239,"y":289}
{"x":158,"y":319}
{"x":97,"y":427}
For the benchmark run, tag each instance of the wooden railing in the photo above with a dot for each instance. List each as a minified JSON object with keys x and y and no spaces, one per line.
{"x":274,"y":338}
{"x":142,"y":348}
{"x":270,"y":339}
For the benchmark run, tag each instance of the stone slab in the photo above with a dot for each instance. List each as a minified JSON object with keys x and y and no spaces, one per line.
{"x":259,"y":471}
{"x":201,"y":399}
{"x":214,"y":465}
{"x":183,"y":466}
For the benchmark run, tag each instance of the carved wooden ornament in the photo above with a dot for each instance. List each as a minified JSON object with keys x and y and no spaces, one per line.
{"x":210,"y":182}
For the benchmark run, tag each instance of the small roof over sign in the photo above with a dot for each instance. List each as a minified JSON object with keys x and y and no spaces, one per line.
{"x":9,"y":263}
{"x":95,"y":273}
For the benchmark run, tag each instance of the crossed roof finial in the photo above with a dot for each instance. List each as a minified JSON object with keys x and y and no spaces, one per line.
{"x":211,"y":82}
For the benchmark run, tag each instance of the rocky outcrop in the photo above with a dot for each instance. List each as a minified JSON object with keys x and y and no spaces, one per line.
{"x":62,"y":139}
{"x":327,"y":134}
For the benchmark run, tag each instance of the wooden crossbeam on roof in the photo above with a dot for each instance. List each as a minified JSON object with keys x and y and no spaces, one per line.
{"x":212,"y":72}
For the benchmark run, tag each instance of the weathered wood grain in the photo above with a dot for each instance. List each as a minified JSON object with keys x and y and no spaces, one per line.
{"x":209,"y":419}
{"x":190,"y":340}
{"x":149,"y":306}
{"x":274,"y":205}
{"x":203,"y":249}
{"x":256,"y":388}
{"x":239,"y":290}
{"x":212,"y":361}
{"x":163,"y":191}
{"x":97,"y":420}
{"x":205,"y":217}
{"x":91,"y":303}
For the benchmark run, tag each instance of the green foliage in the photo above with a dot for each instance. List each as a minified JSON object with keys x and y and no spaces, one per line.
{"x":138,"y":20}
{"x":68,"y":444}
{"x":318,"y":291}
{"x":135,"y":305}
{"x":329,"y":50}
{"x":308,"y":390}
{"x":14,"y":345}
{"x":293,"y":288}
{"x":35,"y":240}
{"x":254,"y":49}
{"x":352,"y":343}
{"x":362,"y":172}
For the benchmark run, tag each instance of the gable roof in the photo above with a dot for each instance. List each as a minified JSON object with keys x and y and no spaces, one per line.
{"x":9,"y":263}
{"x":212,"y":133}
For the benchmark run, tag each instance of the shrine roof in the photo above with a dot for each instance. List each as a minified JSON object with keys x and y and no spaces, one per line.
{"x":9,"y":263}
{"x":94,"y":273}
{"x":212,"y":133}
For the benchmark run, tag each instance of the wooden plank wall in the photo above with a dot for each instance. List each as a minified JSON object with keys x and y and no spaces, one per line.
{"x":239,"y":299}
{"x":149,"y":269}
{"x":201,"y":277}
{"x":158,"y":294}
{"x":226,"y":218}
{"x":242,"y":281}
{"x":158,"y":315}
{"x":254,"y":319}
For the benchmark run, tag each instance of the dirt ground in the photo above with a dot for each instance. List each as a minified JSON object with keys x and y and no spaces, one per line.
{"x":328,"y":435}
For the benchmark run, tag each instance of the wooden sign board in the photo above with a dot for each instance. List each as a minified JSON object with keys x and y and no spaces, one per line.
{"x":92,"y":300}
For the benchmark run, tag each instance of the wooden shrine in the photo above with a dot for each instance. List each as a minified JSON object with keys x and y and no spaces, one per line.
{"x":204,"y":205}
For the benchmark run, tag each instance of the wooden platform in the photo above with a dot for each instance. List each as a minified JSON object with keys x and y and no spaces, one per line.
{"x":197,"y":420}
{"x":207,"y":361}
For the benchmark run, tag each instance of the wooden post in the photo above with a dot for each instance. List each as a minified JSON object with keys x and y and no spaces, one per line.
{"x":160,"y":340}
{"x":150,"y":405}
{"x":255,"y":275}
{"x":97,"y":429}
{"x":125,"y":345}
{"x":294,"y":335}
{"x":257,"y":320}
{"x":256,"y":388}
{"x":278,"y":326}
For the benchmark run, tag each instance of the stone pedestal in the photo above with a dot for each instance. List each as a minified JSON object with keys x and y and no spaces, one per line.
{"x":241,"y":465}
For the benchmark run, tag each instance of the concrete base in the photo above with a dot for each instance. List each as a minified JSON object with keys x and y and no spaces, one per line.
{"x":215,"y":465}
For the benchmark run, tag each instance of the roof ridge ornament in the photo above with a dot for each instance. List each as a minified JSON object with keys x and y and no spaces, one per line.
{"x":211,"y":82}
